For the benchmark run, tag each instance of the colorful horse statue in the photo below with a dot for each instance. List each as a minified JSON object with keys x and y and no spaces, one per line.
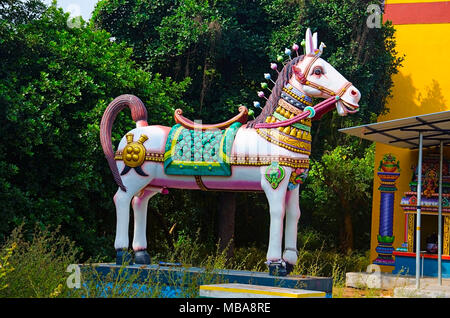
{"x":270,"y":153}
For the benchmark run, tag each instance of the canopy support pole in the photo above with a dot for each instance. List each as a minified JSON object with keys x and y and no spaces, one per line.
{"x":419,"y":202}
{"x":440,"y":215}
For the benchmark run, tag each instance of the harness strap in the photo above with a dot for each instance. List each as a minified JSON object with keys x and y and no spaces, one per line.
{"x":323,"y":106}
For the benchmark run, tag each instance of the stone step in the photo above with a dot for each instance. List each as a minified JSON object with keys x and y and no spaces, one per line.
{"x":256,"y":291}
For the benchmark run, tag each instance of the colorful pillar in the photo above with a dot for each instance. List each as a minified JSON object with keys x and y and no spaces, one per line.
{"x":389,"y":171}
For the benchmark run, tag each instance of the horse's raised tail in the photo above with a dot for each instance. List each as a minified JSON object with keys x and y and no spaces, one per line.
{"x":139,"y":115}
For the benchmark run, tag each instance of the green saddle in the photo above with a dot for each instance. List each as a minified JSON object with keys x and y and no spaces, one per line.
{"x":199,"y":152}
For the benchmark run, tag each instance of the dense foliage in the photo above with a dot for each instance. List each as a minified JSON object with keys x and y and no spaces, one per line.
{"x":206,"y":57}
{"x":220,"y":45}
{"x":55,"y":83}
{"x":339,"y":192}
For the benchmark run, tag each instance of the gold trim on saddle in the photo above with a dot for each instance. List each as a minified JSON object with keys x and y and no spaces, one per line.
{"x":236,"y":160}
{"x":189,"y":124}
{"x":149,"y":156}
{"x":258,"y":160}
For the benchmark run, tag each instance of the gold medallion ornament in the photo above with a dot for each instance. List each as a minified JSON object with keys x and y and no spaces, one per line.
{"x":134,"y":152}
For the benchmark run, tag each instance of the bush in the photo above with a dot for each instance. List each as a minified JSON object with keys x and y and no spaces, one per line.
{"x":249,"y":258}
{"x":5,"y":265}
{"x":315,"y":261}
{"x":36,"y":267}
{"x":187,"y":251}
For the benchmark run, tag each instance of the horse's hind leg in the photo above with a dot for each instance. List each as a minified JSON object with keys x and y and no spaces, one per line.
{"x":140,"y":204}
{"x":122,"y":201}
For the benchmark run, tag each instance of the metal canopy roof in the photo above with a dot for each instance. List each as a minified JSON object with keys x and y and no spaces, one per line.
{"x":404,"y":132}
{"x":413,"y":133}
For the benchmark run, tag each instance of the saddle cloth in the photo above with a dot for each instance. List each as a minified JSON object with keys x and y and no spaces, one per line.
{"x":199,"y":152}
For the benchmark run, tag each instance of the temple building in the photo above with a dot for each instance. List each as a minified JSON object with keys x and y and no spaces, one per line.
{"x":420,"y":105}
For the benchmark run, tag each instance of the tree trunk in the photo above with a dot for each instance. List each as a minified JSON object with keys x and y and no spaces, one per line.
{"x":347,"y":231}
{"x":186,"y":68}
{"x":227,"y":212}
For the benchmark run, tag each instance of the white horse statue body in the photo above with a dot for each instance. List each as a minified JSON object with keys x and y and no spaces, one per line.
{"x":270,"y":154}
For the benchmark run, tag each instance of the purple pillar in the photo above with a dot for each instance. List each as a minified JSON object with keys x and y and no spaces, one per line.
{"x":385,"y":236}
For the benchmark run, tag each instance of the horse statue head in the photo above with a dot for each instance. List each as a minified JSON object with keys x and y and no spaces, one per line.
{"x":309,"y":76}
{"x":320,"y":79}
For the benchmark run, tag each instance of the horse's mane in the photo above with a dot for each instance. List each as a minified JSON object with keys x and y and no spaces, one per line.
{"x":272,"y":101}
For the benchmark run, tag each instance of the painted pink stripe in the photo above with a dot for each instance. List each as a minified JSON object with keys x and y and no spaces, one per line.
{"x":233,"y":185}
{"x":175,"y":184}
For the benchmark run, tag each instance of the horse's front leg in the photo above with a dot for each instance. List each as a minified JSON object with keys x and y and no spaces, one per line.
{"x":290,"y":254}
{"x":274,"y":181}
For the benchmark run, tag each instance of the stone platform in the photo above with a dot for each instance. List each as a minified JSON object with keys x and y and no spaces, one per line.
{"x":179,"y":277}
{"x":404,"y":286}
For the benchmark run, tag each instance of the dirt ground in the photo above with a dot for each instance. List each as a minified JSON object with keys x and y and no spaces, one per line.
{"x":349,"y":292}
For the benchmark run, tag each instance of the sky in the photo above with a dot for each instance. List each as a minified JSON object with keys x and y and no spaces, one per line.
{"x":77,"y":7}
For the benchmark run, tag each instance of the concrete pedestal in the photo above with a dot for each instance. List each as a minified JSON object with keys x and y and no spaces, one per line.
{"x":177,"y":277}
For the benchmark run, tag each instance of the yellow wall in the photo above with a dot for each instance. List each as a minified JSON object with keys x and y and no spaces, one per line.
{"x":422,"y":86}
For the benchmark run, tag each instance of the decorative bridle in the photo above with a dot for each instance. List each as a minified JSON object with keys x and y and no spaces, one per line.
{"x":309,"y":111}
{"x":301,"y":78}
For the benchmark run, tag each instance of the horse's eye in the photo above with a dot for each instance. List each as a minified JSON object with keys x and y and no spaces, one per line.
{"x":317,"y":71}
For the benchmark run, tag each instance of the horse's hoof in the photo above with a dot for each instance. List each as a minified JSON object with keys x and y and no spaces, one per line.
{"x":124,"y":257}
{"x":289,"y":268}
{"x":277,"y":269}
{"x":141,"y":257}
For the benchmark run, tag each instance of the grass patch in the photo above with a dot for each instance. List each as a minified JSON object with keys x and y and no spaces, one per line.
{"x":36,"y":266}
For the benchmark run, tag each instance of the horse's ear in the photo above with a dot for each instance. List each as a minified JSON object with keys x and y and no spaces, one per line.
{"x":309,"y":42}
{"x":315,"y":47}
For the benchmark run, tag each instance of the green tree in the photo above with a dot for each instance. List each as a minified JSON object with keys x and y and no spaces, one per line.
{"x":339,"y":192}
{"x":55,"y":83}
{"x":218,"y":44}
